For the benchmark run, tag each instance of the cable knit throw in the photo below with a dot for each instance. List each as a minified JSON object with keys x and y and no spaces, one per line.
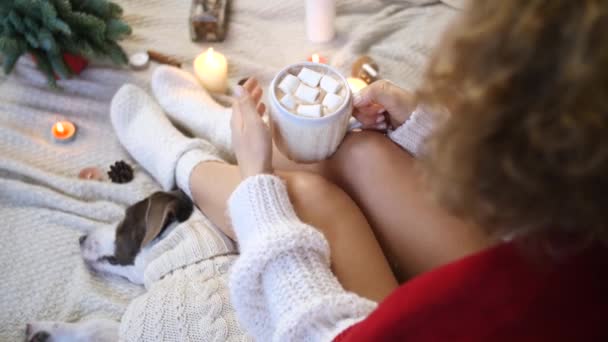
{"x":44,"y":207}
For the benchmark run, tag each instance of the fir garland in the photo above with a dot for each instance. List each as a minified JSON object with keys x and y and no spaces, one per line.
{"x":49,"y":28}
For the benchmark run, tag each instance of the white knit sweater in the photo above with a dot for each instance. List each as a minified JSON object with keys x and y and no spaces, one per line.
{"x":282,"y":286}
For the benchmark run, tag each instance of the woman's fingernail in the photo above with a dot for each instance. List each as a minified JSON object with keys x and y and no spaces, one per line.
{"x":380,"y":119}
{"x":239,"y":91}
{"x":382,"y":111}
{"x":381,"y":126}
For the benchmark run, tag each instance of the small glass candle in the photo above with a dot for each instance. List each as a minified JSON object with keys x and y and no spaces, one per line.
{"x":211,"y":69}
{"x":316,"y":58}
{"x":63,"y":131}
{"x":355,"y":84}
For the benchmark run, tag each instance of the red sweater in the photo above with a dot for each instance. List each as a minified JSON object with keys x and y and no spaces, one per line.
{"x":497,"y":295}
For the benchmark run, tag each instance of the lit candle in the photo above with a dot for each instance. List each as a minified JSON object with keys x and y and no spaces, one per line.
{"x":316,"y":58}
{"x":355,"y":84}
{"x":211,"y":69}
{"x":63,"y":131}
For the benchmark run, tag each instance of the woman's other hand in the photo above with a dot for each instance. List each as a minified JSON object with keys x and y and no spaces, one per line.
{"x":251,"y":137}
{"x":381,"y":101}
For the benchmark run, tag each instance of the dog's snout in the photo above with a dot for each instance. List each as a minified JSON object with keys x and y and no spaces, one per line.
{"x":41,"y":336}
{"x":82,"y":239}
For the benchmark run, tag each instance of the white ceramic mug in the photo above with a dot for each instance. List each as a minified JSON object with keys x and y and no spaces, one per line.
{"x":304,"y":139}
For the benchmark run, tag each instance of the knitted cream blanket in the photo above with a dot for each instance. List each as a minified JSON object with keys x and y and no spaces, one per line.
{"x":44,"y":207}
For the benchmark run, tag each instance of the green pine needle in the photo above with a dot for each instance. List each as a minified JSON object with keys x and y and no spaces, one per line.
{"x":117,"y":29}
{"x":9,"y":45}
{"x":31,"y":24}
{"x":47,"y":42}
{"x":15,"y":20}
{"x":59,"y":66}
{"x":45,"y":66}
{"x":9,"y":62}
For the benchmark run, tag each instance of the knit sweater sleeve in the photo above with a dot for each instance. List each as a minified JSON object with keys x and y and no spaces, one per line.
{"x":412,"y":134}
{"x":281,"y":285}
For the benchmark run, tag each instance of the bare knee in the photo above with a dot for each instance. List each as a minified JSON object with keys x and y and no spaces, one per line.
{"x":361,"y":155}
{"x":310,"y":190}
{"x":367,"y":145}
{"x":317,"y":201}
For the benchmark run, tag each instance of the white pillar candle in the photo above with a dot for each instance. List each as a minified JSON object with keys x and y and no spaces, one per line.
{"x":320,"y":15}
{"x":211,"y":69}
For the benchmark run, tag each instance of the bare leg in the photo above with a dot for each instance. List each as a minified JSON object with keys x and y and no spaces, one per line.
{"x":415,"y":234}
{"x":356,"y":257}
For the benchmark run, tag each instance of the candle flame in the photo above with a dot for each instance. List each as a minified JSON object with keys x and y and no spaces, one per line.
{"x":209,"y":57}
{"x":60,"y":128}
{"x":316,"y":58}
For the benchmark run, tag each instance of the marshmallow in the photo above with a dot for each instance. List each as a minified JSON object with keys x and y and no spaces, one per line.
{"x":332,"y":101}
{"x":329,"y":84}
{"x":307,"y":94}
{"x":310,"y":77}
{"x":289,"y":101}
{"x":289,"y":84}
{"x":312,"y":111}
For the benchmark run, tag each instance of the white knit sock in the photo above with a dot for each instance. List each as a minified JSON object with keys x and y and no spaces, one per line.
{"x":144,"y":131}
{"x":188,"y":105}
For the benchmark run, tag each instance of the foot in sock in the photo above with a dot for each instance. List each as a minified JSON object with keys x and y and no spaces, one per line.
{"x":148,"y":135}
{"x":188,"y":105}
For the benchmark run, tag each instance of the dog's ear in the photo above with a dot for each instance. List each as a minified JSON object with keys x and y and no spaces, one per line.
{"x":162,"y":209}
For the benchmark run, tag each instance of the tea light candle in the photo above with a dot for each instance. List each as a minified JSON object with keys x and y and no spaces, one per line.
{"x":355,"y":84}
{"x":316,"y":58}
{"x":211,"y":69}
{"x":63,"y":131}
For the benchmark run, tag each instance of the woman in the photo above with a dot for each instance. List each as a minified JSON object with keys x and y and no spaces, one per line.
{"x":522,"y":155}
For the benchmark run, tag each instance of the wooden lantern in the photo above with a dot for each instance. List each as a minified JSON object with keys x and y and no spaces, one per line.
{"x":208,"y":20}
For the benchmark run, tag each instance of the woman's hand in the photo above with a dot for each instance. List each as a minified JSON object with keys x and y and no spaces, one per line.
{"x":380,"y":101}
{"x":251,"y":138}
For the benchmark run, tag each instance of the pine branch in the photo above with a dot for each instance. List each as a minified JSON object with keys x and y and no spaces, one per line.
{"x":62,"y":6}
{"x":87,"y":24}
{"x":77,"y":46}
{"x":47,"y":42}
{"x":49,"y":28}
{"x":32,"y":40}
{"x":9,"y":45}
{"x":117,"y":29}
{"x":59,"y":66}
{"x":98,"y":8}
{"x":31,"y":24}
{"x":15,"y":20}
{"x":9,"y":62}
{"x":44,"y":66}
{"x":116,"y":53}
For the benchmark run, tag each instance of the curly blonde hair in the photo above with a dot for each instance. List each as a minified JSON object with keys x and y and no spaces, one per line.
{"x":525,"y":149}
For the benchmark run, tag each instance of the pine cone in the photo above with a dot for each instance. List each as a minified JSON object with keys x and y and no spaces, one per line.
{"x":121,"y":172}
